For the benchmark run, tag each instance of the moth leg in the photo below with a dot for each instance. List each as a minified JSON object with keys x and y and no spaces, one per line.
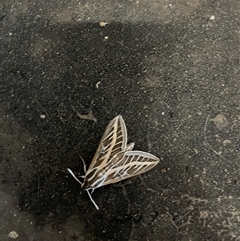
{"x":92,"y":191}
{"x":130,"y":146}
{"x":74,"y":176}
{"x":96,"y":206}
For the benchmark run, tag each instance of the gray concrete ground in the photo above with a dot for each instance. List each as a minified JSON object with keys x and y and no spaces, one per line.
{"x":170,"y":68}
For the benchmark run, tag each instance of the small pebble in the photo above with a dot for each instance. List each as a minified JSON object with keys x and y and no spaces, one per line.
{"x":13,"y":234}
{"x":102,"y":24}
{"x":212,"y":17}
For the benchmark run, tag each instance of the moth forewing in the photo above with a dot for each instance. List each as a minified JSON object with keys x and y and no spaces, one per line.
{"x":114,"y":160}
{"x":113,"y":141}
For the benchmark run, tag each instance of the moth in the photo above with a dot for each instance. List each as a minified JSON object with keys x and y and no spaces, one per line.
{"x":114,"y":160}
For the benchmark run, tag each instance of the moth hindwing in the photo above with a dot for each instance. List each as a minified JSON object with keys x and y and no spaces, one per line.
{"x":114,"y":160}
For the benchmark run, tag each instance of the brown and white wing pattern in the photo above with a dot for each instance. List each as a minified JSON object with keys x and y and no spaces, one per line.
{"x":129,"y":164}
{"x":114,"y":140}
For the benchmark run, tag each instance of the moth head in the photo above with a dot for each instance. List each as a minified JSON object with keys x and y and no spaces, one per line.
{"x":85,"y":184}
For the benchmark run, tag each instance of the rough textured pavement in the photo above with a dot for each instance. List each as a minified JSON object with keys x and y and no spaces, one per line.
{"x":170,"y":68}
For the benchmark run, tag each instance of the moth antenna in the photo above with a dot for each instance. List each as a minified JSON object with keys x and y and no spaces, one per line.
{"x":96,"y":206}
{"x":84,"y":165}
{"x":74,"y":176}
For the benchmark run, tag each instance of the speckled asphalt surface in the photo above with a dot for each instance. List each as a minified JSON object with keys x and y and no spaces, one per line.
{"x":170,"y":68}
